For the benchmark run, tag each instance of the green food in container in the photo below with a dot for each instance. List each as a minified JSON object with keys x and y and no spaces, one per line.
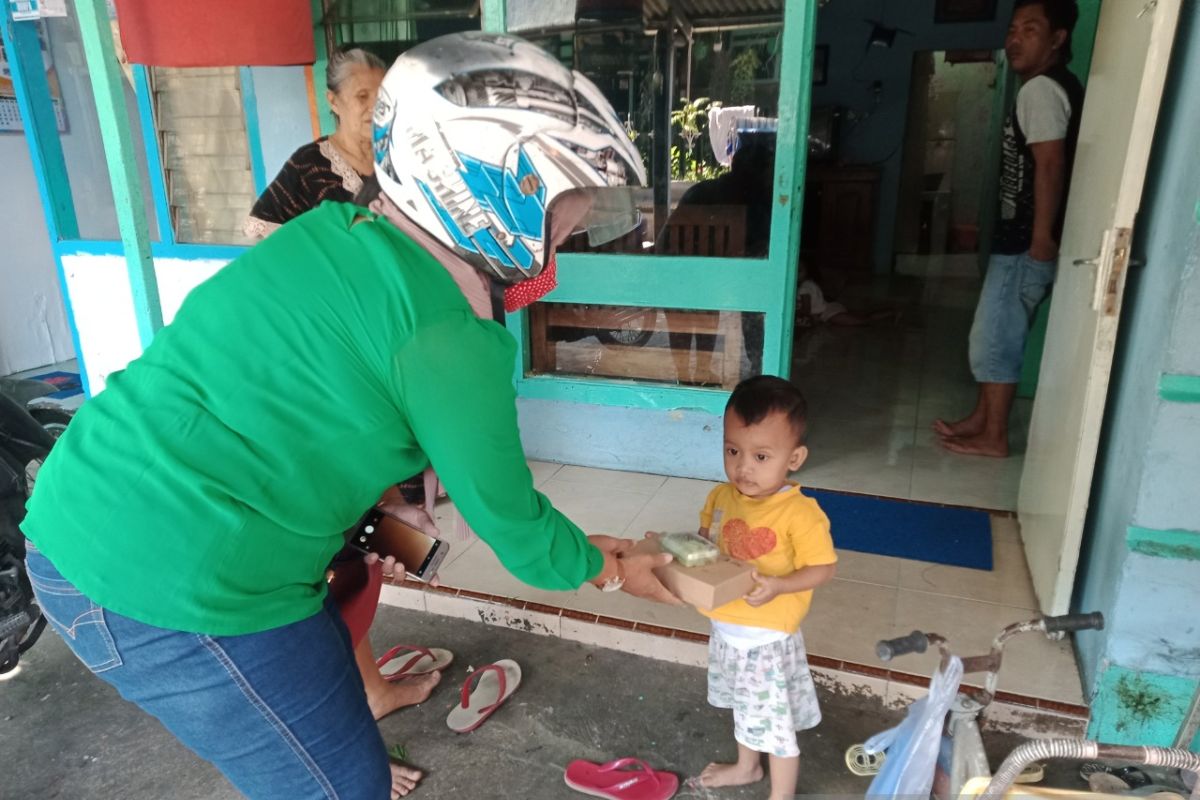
{"x":689,"y":549}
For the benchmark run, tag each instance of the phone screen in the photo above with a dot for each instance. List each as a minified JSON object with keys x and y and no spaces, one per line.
{"x":388,"y":536}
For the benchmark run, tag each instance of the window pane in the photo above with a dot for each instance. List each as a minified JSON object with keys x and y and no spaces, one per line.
{"x":201,"y":126}
{"x":723,"y":119}
{"x":83,"y":148}
{"x":683,"y":347}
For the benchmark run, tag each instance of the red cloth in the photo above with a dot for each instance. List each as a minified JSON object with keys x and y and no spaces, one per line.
{"x":355,"y":588}
{"x":530,"y":291}
{"x":217,"y":33}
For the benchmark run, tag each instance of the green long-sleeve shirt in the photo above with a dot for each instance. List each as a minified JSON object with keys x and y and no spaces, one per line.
{"x":208,"y":486}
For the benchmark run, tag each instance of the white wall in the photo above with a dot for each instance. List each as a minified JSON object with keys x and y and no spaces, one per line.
{"x":33,"y":323}
{"x":103,"y":305}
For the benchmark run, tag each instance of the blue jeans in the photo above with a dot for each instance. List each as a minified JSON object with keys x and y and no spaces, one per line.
{"x":282,"y":713}
{"x":1012,"y":290}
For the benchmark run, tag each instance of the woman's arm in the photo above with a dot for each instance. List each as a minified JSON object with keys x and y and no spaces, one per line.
{"x":455,"y":386}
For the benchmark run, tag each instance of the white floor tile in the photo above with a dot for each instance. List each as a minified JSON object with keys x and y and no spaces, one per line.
{"x":1007,"y":583}
{"x":847,"y":618}
{"x":479,"y":570}
{"x":668,"y":513}
{"x":610,"y":479}
{"x":596,"y":508}
{"x":940,"y":476}
{"x":1032,"y":664}
{"x":869,"y":459}
{"x":869,"y":568}
{"x":543,"y":471}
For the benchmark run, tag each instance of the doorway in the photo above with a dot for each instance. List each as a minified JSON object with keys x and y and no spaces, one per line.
{"x":878,"y":376}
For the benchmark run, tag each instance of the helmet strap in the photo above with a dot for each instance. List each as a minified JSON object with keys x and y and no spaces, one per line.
{"x":497,"y":300}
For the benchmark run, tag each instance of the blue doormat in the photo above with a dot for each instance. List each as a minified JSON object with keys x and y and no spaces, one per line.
{"x":960,"y":537}
{"x":68,"y":383}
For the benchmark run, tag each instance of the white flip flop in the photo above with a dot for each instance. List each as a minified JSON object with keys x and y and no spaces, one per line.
{"x":482,"y":693}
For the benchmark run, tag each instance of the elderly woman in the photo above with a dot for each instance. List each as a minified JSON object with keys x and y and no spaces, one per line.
{"x":332,"y":167}
{"x":180,"y":529}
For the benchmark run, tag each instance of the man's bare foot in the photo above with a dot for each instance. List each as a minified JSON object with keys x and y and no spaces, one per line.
{"x":977,"y":446}
{"x":404,"y":779}
{"x":716,"y":775}
{"x":394,"y":695}
{"x":964,"y":427}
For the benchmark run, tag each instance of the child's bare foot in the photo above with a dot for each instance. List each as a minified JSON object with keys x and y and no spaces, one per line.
{"x":404,"y":779}
{"x":394,"y":695}
{"x":716,"y":775}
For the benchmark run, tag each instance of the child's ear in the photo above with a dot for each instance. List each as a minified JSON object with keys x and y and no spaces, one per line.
{"x":799,"y":456}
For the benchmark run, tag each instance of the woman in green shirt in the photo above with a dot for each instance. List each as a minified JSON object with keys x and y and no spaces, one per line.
{"x":180,"y":530}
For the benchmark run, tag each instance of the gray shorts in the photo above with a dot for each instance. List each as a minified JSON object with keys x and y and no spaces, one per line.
{"x":769,"y":689}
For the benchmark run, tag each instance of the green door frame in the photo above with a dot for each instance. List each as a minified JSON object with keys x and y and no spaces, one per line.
{"x":766,"y":286}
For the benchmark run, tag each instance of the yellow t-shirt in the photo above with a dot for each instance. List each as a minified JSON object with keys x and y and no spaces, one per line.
{"x":778,"y":535}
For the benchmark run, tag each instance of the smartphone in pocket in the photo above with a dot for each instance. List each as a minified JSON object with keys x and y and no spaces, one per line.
{"x":382,"y":533}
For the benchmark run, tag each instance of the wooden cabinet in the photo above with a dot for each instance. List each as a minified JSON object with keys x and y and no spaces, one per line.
{"x":838,"y":233}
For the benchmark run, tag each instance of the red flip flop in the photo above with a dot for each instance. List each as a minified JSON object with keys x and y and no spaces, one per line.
{"x":423,"y":661}
{"x":623,"y":779}
{"x":482,"y":693}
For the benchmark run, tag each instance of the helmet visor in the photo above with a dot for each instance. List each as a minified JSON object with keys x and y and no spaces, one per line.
{"x":603,"y":213}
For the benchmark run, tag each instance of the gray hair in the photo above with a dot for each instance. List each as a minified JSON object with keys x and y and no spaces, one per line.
{"x":343,"y":62}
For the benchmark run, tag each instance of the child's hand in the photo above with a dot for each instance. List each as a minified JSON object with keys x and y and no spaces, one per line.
{"x":766,"y":588}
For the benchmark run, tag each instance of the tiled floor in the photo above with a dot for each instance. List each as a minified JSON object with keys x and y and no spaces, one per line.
{"x":874,"y":392}
{"x":873,"y":597}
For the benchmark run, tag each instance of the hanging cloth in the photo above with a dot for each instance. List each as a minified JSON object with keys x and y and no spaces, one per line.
{"x":216,"y":33}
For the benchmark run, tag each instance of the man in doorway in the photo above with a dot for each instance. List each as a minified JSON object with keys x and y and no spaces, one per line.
{"x":1037,"y":153}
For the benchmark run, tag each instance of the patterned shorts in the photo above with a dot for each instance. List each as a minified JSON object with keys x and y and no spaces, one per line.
{"x":769,"y":689}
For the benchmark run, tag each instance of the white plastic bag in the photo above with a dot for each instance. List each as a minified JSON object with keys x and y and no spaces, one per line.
{"x":912,"y":746}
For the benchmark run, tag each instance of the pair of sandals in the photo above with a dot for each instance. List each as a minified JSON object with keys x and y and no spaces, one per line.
{"x":485,"y":689}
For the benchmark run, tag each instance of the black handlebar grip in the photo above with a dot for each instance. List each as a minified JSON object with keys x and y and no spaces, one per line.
{"x":1074,"y":622}
{"x":915,"y":642}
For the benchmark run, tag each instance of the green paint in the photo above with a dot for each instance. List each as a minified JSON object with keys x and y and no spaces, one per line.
{"x":1035,"y":345}
{"x":109,"y":90}
{"x":791,"y":161}
{"x":1177,"y":544}
{"x":766,"y":286}
{"x":494,"y":15}
{"x":1179,"y":388}
{"x":1083,"y":39}
{"x":721,"y":284}
{"x":627,"y":394}
{"x":1134,"y":707}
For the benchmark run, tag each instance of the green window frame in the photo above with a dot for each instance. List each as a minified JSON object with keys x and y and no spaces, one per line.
{"x":765,"y":285}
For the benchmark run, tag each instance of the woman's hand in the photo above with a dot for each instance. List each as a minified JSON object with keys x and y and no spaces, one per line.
{"x":413,"y":516}
{"x":766,"y":589}
{"x":640,"y":580}
{"x":611,"y":544}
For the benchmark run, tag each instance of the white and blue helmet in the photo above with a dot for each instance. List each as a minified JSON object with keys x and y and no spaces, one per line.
{"x":476,"y":135}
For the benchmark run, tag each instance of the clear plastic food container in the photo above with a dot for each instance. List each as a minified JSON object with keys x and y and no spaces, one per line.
{"x":689,"y":549}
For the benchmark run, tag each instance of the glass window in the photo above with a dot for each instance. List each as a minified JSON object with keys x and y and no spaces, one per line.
{"x":201,"y":126}
{"x":723,"y":89}
{"x":79,"y":126}
{"x":675,"y":346}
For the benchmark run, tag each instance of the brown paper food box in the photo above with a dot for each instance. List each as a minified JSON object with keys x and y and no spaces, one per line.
{"x":707,"y":587}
